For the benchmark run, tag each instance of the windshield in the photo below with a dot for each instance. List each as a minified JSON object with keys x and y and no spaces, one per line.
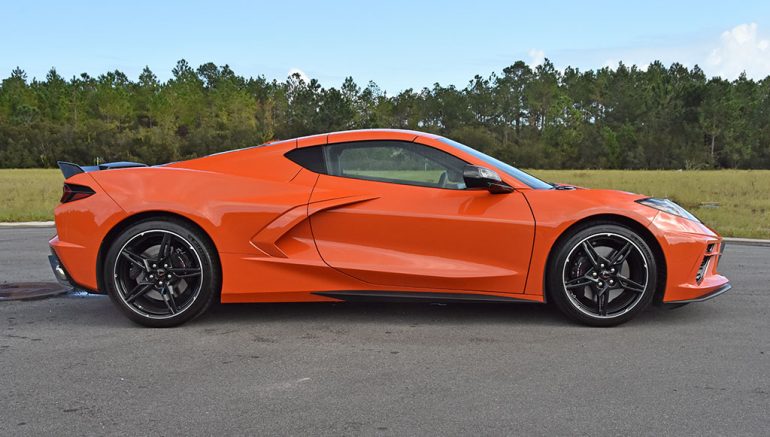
{"x":522,"y":176}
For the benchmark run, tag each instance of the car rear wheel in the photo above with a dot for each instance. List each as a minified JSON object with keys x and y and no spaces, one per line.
{"x":602,"y":275}
{"x":162,"y":273}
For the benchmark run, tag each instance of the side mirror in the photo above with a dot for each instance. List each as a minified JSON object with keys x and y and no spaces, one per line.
{"x":481,"y":177}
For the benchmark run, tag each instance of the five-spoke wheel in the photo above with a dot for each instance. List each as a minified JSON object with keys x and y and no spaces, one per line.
{"x":161,"y":273}
{"x":602,"y":275}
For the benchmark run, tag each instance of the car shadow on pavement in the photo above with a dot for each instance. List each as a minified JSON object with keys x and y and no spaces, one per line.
{"x":517,"y":314}
{"x":99,"y":310}
{"x":379,"y":312}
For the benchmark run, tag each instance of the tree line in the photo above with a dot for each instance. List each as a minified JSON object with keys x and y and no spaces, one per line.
{"x":536,"y":117}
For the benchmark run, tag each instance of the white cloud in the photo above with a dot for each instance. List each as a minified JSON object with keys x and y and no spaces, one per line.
{"x":536,"y":57}
{"x":741,"y":49}
{"x":301,"y":73}
{"x":611,"y":64}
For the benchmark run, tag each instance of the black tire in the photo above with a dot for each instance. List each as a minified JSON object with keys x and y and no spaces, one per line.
{"x":185,"y":279}
{"x":586,"y":282}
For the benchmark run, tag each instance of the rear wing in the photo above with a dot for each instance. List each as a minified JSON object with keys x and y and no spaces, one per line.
{"x":69,"y":169}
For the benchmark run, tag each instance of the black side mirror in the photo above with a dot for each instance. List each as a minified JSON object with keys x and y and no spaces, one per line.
{"x":481,"y":177}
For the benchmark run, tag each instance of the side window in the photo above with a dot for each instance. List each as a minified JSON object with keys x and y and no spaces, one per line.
{"x":312,"y":158}
{"x":395,"y":162}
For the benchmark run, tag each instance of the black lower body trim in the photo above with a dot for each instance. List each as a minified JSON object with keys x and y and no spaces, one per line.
{"x":415,"y":296}
{"x":721,"y":290}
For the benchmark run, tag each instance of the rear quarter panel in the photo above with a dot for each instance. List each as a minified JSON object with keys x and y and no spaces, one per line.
{"x":231,"y":196}
{"x":80,"y":228}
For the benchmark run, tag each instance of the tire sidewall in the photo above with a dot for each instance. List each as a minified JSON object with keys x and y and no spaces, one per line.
{"x":558,"y":293}
{"x":209,"y":265}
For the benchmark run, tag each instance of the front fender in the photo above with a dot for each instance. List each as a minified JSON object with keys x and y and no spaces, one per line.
{"x":555,"y":211}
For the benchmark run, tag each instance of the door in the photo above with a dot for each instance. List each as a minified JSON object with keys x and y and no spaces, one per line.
{"x":397,"y":214}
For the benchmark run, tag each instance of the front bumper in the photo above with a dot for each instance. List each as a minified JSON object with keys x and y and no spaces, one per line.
{"x":719,"y":291}
{"x":692,"y":252}
{"x":700,"y":280}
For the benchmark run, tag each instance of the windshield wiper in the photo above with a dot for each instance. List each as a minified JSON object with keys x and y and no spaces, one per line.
{"x":561,"y":186}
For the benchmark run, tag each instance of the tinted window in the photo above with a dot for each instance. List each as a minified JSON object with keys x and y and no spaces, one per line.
{"x":395,"y":162}
{"x":312,"y":158}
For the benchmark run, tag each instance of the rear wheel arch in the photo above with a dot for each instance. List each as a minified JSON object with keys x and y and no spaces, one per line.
{"x":614,"y":219}
{"x":137,"y":218}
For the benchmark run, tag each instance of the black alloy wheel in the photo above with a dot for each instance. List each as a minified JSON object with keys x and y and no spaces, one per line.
{"x":603,"y":275}
{"x":161,"y":273}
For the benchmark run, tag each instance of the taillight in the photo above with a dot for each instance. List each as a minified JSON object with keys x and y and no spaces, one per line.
{"x":72,"y":192}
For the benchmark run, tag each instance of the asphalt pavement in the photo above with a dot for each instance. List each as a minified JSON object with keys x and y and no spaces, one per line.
{"x":74,"y":365}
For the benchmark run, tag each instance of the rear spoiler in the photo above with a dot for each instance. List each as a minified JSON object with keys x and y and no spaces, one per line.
{"x":69,"y":169}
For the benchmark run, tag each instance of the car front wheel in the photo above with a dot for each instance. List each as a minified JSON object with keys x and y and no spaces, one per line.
{"x":602,"y":275}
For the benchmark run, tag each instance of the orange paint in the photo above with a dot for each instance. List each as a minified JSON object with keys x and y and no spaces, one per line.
{"x":283,"y":232}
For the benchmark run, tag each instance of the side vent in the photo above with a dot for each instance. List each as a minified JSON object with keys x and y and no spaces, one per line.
{"x":702,"y":270}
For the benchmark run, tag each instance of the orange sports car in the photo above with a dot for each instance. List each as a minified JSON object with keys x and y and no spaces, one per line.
{"x":387,"y":215}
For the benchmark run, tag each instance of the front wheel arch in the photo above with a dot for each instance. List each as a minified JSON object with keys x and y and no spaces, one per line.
{"x":140,"y":217}
{"x":613,"y":219}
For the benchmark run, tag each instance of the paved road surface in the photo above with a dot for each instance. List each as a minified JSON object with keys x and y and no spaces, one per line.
{"x":74,"y":365}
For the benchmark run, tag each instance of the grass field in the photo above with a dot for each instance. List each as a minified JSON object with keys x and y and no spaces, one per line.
{"x":734,"y":202}
{"x":29,"y":194}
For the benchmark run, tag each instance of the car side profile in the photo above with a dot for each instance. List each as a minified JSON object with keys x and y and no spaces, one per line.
{"x":389,"y":215}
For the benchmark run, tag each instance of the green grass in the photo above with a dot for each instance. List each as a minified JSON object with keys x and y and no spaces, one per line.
{"x":734,"y":202}
{"x":431,"y":176}
{"x":29,"y":194}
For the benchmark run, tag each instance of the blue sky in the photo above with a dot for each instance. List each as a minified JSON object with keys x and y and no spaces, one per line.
{"x":398,"y":44}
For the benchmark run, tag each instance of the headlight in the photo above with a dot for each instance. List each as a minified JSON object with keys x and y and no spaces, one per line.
{"x":668,"y":206}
